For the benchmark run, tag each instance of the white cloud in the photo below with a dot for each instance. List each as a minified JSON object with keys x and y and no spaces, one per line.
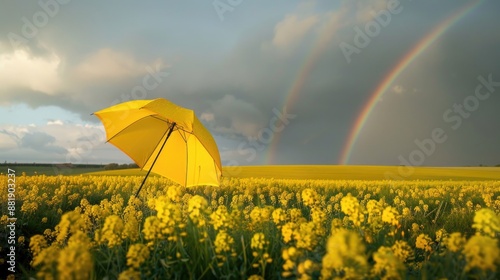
{"x":7,"y":141}
{"x":108,"y":64}
{"x":57,"y":143}
{"x":55,"y":122}
{"x":21,"y":69}
{"x":291,"y":30}
{"x":294,"y":28}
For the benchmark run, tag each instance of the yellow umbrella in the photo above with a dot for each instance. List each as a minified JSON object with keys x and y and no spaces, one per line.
{"x":141,"y":128}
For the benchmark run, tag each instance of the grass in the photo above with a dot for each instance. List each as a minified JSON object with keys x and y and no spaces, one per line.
{"x":344,"y":172}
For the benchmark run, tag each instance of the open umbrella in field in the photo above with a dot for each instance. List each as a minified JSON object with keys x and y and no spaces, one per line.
{"x":164,"y":138}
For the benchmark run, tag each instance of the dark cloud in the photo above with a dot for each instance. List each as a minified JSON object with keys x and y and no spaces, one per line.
{"x":231,"y":72}
{"x":41,"y":142}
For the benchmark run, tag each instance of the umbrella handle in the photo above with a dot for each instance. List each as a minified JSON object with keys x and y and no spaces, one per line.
{"x":171,"y":129}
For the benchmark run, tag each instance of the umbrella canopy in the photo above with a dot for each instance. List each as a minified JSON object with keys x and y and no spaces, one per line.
{"x":164,"y":138}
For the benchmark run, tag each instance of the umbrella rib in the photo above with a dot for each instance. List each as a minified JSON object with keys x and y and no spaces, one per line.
{"x":160,"y":119}
{"x":177,"y":126}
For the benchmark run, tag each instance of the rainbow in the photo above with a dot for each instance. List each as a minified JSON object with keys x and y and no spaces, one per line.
{"x":394,"y":73}
{"x":318,"y":48}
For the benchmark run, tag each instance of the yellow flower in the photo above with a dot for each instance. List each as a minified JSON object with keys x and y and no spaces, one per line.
{"x":70,"y":223}
{"x":454,"y":242}
{"x":260,"y":214}
{"x":441,"y":234}
{"x":306,"y":236}
{"x":131,"y":229}
{"x":137,"y":254}
{"x":287,"y":231}
{"x":306,"y":268}
{"x":4,"y":220}
{"x":129,"y":274}
{"x":387,"y":264}
{"x":402,"y":250}
{"x":424,"y":242}
{"x":37,"y":244}
{"x":255,"y":277}
{"x":111,"y":232}
{"x":391,"y":216}
{"x":406,"y":212}
{"x":223,"y":242}
{"x":289,"y":255}
{"x":174,"y":193}
{"x":482,"y":252}
{"x":351,"y":207}
{"x":197,"y":209}
{"x":259,"y":242}
{"x":318,"y":216}
{"x":415,"y":227}
{"x":487,"y":222}
{"x":279,"y":217}
{"x":75,"y":260}
{"x":349,"y":204}
{"x":469,"y":204}
{"x":152,"y":228}
{"x":44,"y":220}
{"x":345,"y":254}
{"x":374,"y":207}
{"x":221,"y":218}
{"x":170,"y":217}
{"x":295,"y":215}
{"x":310,"y":197}
{"x":45,"y":261}
{"x":336,"y":225}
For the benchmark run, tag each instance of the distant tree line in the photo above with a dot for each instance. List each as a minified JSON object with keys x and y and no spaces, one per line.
{"x":41,"y":164}
{"x":114,"y":166}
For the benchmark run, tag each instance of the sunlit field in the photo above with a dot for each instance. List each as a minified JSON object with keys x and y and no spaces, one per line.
{"x":343,"y":172}
{"x":92,"y":227}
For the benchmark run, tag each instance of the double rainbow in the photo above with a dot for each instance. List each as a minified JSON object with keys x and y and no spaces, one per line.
{"x":318,"y":49}
{"x":394,"y":73}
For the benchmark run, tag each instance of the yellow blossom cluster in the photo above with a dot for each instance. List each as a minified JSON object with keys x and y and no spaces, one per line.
{"x":424,"y":242}
{"x":81,"y":227}
{"x":137,"y":254}
{"x":345,"y":255}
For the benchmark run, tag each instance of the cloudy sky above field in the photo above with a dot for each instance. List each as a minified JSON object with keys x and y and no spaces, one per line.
{"x":237,"y":63}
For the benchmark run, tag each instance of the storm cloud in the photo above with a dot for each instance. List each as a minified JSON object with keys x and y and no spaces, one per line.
{"x":261,"y":58}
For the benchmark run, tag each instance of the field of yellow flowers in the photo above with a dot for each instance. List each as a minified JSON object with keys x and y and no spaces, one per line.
{"x":92,"y":227}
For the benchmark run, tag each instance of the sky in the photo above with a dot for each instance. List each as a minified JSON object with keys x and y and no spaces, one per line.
{"x":380,"y":82}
